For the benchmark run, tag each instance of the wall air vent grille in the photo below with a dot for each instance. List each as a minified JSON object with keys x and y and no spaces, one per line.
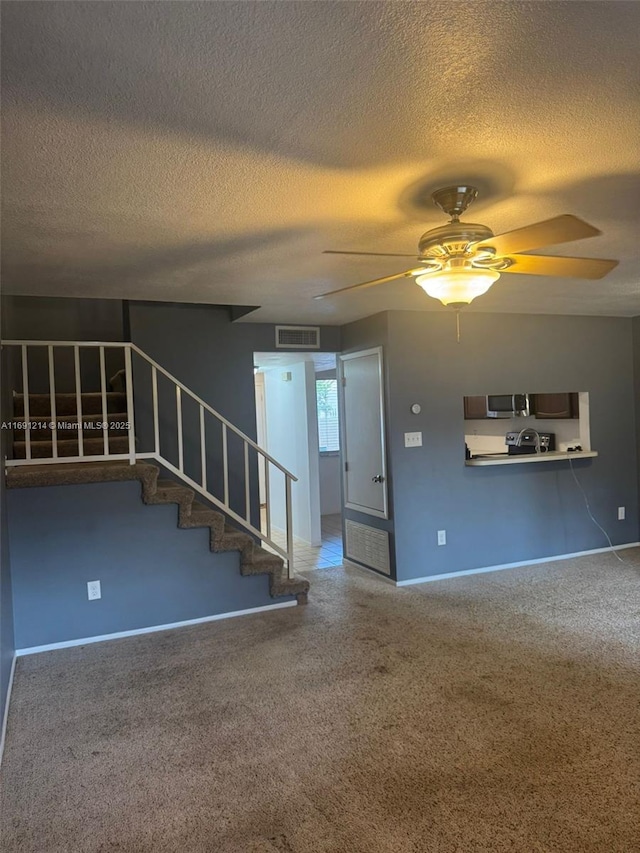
{"x":297,"y":337}
{"x":367,"y":545}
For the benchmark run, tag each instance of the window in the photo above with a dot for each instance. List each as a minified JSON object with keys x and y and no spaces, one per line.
{"x":327,"y":406}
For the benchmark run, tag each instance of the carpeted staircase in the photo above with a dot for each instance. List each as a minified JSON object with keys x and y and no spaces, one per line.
{"x":191,"y":512}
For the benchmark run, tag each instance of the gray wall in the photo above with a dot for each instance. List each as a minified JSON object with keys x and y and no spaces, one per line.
{"x":636,"y":383}
{"x":152,"y":573}
{"x":7,"y":644}
{"x":203,"y":348}
{"x":59,"y":319}
{"x":210,"y":353}
{"x":502,"y":515}
{"x":6,"y":601}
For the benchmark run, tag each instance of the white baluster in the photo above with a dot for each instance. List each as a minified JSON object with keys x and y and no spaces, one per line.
{"x":129,"y":381}
{"x":247,"y":495}
{"x":25,"y":395}
{"x":156,"y":422}
{"x":52,"y":397}
{"x":225,"y":465}
{"x":103,"y":394}
{"x":76,"y":362}
{"x":203,"y":450}
{"x":179,"y":417}
{"x":287,"y":487}
{"x":267,"y":504}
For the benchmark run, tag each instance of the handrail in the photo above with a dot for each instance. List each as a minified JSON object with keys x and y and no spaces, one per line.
{"x":66,"y":343}
{"x":212,"y":411}
{"x":129,"y":348}
{"x":175,"y":380}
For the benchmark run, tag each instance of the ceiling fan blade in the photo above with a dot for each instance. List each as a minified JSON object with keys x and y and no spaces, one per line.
{"x":372,"y":283}
{"x":565,"y":267}
{"x":549,"y":232}
{"x":377,"y":254}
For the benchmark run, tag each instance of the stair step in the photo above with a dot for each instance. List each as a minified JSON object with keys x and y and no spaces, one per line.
{"x":274,"y":566}
{"x":202,"y":511}
{"x":233,"y":539}
{"x":262,"y":557}
{"x":168,"y":491}
{"x":173,"y":486}
{"x":231,"y":530}
{"x":253,"y":559}
{"x":69,"y":447}
{"x":205,"y":516}
{"x":68,"y":427}
{"x":74,"y":473}
{"x":91,"y":403}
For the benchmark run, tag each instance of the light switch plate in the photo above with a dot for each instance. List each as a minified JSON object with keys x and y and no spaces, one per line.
{"x":413,"y":439}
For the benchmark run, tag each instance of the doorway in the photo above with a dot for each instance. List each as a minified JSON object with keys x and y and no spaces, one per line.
{"x":297,"y":423}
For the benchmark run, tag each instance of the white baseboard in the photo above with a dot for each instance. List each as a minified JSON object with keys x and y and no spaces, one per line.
{"x":500,"y":568}
{"x":136,"y":631}
{"x":5,"y":715}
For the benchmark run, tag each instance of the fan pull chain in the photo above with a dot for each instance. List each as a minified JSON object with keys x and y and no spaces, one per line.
{"x":458,"y":325}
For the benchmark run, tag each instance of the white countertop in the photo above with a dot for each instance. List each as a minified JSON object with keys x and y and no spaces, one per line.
{"x":520,"y":459}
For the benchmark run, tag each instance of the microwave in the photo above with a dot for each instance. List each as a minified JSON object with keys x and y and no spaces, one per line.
{"x":507,"y":405}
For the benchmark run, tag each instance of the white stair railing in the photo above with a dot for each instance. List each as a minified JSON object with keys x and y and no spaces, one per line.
{"x":276,"y":531}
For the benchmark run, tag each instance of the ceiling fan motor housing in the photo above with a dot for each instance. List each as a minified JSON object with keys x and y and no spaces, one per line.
{"x":452,"y":239}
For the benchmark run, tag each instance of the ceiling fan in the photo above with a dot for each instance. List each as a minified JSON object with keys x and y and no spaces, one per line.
{"x":461,"y":260}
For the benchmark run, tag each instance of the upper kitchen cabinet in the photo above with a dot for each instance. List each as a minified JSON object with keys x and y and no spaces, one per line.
{"x":475,"y":408}
{"x":546,"y":406}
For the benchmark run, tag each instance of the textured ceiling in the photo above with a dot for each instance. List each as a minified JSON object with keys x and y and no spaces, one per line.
{"x":209,"y":152}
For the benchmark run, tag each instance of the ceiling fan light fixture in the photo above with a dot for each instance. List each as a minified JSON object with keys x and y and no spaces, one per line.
{"x":457,"y":286}
{"x":462,"y":260}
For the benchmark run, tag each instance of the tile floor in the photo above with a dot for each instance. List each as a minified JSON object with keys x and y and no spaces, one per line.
{"x":328,"y":553}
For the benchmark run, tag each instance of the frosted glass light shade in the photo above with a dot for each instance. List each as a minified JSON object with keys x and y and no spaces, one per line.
{"x":457,"y":286}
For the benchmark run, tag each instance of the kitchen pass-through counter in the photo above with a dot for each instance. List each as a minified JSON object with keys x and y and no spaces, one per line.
{"x":505,"y":459}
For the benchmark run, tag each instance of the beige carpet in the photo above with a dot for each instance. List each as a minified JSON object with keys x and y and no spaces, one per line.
{"x":492,"y":713}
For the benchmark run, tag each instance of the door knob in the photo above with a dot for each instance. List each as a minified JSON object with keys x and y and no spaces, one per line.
{"x":377,"y":479}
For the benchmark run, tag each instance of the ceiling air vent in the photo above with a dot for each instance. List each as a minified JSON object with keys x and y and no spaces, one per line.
{"x":297,"y":337}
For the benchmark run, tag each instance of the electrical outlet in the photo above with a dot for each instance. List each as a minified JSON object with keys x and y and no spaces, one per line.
{"x":442,"y":537}
{"x":413,"y":439}
{"x":93,"y":590}
{"x":622,"y":513}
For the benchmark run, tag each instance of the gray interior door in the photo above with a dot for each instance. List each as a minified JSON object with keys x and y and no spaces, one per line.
{"x":363,"y":442}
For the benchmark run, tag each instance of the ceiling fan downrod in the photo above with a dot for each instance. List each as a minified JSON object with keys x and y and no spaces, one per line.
{"x":454,"y":200}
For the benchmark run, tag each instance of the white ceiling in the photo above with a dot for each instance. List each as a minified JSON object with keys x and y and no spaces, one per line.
{"x":209,"y":152}
{"x":271,"y":360}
